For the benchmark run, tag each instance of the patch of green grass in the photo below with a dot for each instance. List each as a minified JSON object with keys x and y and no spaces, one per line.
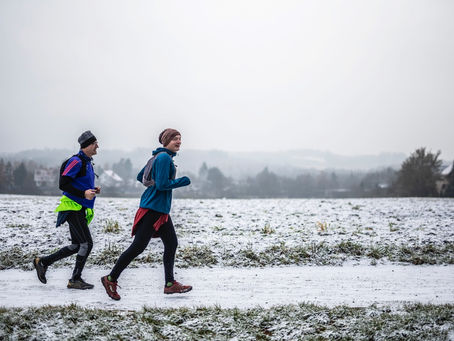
{"x":267,"y":229}
{"x":280,"y":254}
{"x":425,"y":254}
{"x":16,"y":258}
{"x":108,"y":256}
{"x":111,"y":226}
{"x":150,"y":258}
{"x":196,"y":256}
{"x":254,"y":257}
{"x":377,"y":252}
{"x":350,"y":248}
{"x":277,"y":254}
{"x":285,"y":322}
{"x":392,"y":227}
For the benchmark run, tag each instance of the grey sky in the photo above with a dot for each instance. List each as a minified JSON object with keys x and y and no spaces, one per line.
{"x":349,"y":77}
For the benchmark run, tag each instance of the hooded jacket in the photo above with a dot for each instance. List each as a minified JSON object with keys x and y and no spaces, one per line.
{"x":159,"y":196}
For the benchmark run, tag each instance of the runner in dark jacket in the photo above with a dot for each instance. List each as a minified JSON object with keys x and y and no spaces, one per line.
{"x":76,"y":208}
{"x":152,"y":218}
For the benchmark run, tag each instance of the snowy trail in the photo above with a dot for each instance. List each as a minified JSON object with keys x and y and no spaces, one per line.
{"x":242,"y":288}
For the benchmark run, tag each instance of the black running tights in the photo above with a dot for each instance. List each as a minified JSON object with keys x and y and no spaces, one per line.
{"x":81,"y":240}
{"x":145,"y":231}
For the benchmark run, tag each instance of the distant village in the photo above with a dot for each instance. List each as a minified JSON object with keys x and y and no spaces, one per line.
{"x":119,"y":180}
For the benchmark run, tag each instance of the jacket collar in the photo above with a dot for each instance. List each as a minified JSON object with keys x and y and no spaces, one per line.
{"x":162,"y":149}
{"x":83,"y":155}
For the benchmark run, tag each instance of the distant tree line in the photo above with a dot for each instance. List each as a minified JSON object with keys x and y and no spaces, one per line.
{"x":420,"y":175}
{"x":212,"y":183}
{"x":17,"y":178}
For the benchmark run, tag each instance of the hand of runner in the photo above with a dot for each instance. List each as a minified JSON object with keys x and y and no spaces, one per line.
{"x":90,"y":194}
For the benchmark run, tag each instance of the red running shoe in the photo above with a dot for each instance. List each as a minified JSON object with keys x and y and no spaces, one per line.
{"x":177,"y":288}
{"x":111,"y":288}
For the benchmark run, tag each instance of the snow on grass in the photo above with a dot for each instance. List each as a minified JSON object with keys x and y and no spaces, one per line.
{"x":240,"y":235}
{"x":244,"y":233}
{"x":289,"y":322}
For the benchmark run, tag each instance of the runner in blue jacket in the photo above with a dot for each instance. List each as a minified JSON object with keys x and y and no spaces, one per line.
{"x":152,"y":219}
{"x":77,"y":181}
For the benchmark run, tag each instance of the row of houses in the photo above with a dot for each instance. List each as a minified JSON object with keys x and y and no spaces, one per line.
{"x":46,"y":179}
{"x":443,"y":183}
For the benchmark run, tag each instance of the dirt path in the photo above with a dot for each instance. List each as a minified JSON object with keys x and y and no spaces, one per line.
{"x":230,"y":287}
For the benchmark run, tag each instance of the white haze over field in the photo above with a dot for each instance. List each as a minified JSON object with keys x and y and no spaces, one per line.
{"x":350,"y":77}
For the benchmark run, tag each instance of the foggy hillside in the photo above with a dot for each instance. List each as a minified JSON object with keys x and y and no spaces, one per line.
{"x":233,"y":164}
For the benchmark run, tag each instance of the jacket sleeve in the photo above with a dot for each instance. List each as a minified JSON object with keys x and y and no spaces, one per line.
{"x":140,"y":175}
{"x":72,"y":167}
{"x":70,"y":172}
{"x":66,"y":186}
{"x":162,"y":169}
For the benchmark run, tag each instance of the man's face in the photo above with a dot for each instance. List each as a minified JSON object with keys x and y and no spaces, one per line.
{"x":91,"y":149}
{"x":175,"y":144}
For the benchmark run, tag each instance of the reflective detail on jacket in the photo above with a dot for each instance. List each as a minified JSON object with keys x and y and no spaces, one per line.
{"x":66,"y":205}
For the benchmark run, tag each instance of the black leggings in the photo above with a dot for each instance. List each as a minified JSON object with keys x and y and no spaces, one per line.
{"x":81,"y":240}
{"x":146,"y":231}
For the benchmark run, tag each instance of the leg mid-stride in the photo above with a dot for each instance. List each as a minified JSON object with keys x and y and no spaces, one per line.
{"x":152,"y":219}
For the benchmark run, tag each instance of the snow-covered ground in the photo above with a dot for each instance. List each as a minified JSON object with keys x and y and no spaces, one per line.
{"x":27,"y":223}
{"x":356,"y":286}
{"x":225,"y":227}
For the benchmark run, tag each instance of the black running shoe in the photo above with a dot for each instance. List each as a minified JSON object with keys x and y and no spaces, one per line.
{"x":79,"y":284}
{"x":40,"y":269}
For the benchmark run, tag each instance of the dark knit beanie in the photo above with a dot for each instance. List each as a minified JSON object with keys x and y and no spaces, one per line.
{"x":167,"y":135}
{"x":86,"y":139}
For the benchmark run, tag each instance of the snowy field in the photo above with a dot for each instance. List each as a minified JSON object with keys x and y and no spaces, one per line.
{"x":273,"y":269}
{"x":245,"y":233}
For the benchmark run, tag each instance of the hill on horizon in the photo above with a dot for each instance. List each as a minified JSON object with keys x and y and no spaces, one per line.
{"x":233,"y":164}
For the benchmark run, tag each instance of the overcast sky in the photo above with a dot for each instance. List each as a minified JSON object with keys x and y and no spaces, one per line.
{"x":350,"y":77}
